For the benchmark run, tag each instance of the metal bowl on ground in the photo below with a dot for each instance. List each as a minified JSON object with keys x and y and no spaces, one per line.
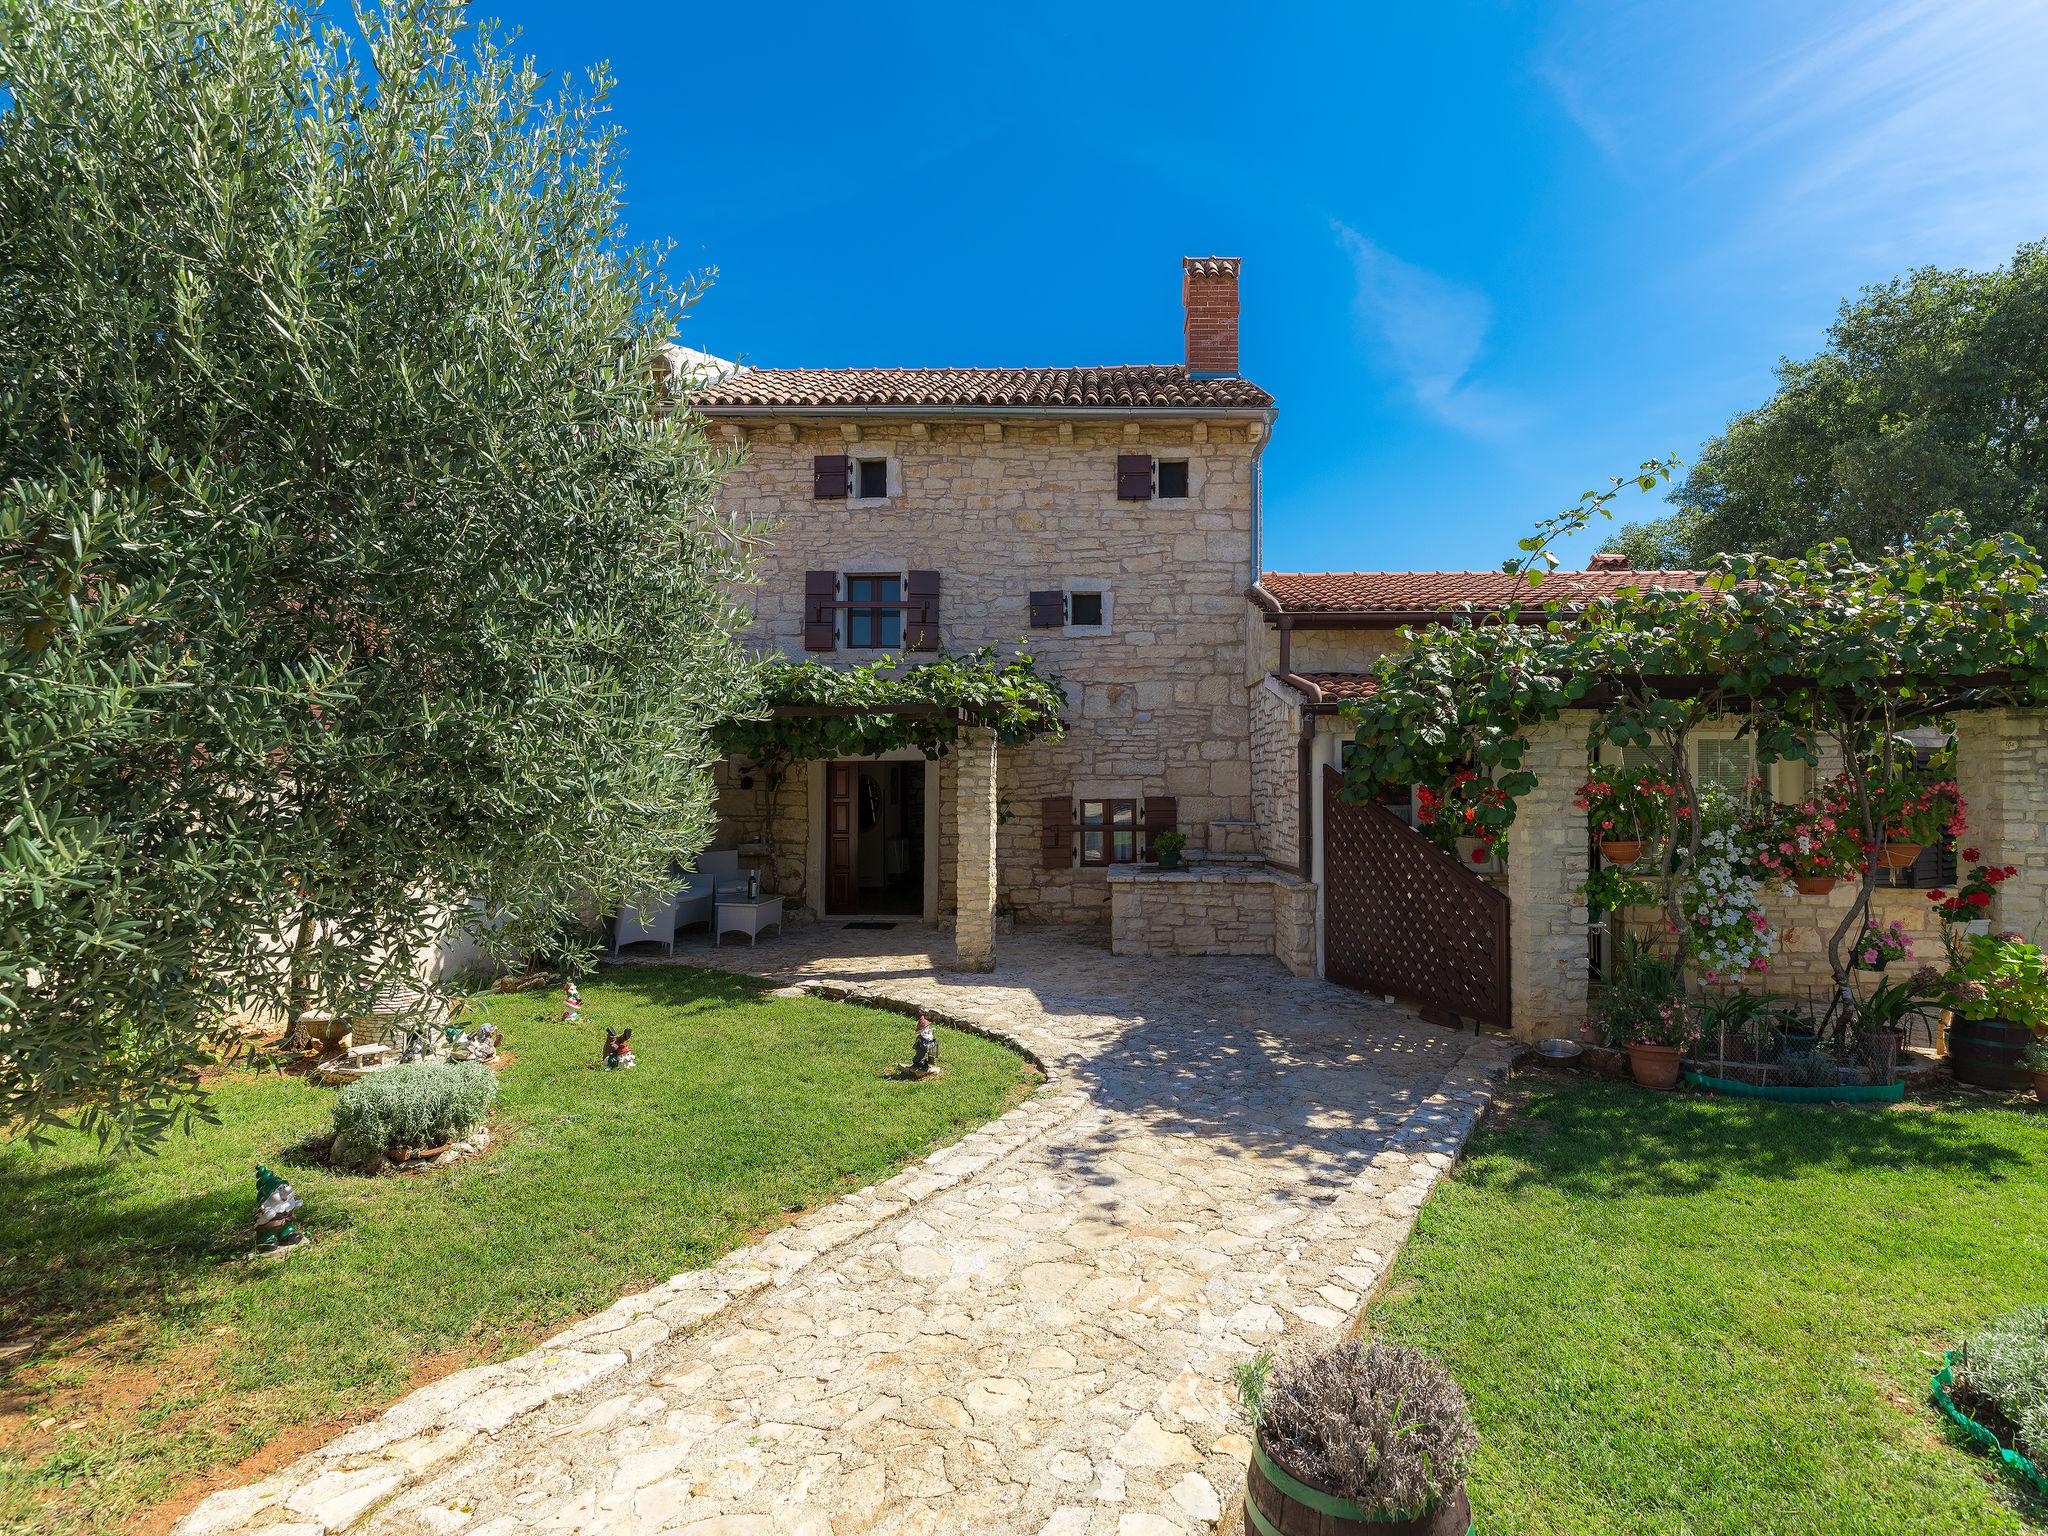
{"x":1558,"y":1048}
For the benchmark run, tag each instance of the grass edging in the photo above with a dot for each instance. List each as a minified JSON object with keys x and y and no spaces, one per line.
{"x":368,"y":1466}
{"x":2013,"y":1462}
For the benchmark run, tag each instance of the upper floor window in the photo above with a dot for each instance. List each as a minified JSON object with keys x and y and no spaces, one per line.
{"x":1173,"y":479}
{"x":874,"y":479}
{"x":878,"y":628}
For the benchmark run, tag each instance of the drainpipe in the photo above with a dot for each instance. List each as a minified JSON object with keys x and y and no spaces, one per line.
{"x":1305,"y":755}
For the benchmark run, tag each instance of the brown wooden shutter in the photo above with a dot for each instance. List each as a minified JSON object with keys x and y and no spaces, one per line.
{"x":1162,"y":814}
{"x":1048,"y":610}
{"x":921,"y":621}
{"x":821,"y":590}
{"x":829,"y":473}
{"x":1134,"y":477}
{"x":1056,"y":832}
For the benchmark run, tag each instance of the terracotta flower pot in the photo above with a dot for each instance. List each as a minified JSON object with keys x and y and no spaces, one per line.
{"x":2041,"y":1086}
{"x":1621,"y":850}
{"x":1654,"y":1066}
{"x":1814,"y":885}
{"x":1898,"y":855}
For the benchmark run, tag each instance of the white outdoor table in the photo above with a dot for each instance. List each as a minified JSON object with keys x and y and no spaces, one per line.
{"x":736,"y":914}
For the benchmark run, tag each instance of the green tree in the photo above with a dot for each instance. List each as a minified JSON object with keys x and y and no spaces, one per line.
{"x":355,"y":564}
{"x":1932,"y":392}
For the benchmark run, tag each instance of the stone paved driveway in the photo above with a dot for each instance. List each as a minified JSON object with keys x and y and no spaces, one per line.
{"x":1040,"y":1342}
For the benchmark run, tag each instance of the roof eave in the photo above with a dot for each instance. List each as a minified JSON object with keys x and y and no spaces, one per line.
{"x":1265,"y":413}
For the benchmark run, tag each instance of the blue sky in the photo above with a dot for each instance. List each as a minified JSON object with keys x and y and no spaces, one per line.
{"x":1493,"y":252}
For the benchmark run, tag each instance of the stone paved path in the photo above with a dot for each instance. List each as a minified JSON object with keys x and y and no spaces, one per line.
{"x":1033,"y":1333}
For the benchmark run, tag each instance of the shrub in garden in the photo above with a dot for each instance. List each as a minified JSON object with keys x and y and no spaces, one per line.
{"x":419,"y":1104}
{"x":1382,"y":1425}
{"x":2006,"y":1366}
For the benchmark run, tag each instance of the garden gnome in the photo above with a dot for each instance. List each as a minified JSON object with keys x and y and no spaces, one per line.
{"x":618,"y":1050}
{"x":276,"y":1206}
{"x":573,"y":1013}
{"x":925,"y":1059}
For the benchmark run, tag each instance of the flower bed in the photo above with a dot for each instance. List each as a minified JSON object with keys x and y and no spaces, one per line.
{"x":2001,"y":1374}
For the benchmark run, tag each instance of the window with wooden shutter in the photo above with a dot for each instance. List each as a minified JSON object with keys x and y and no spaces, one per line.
{"x":1173,"y":479}
{"x":879,"y":627}
{"x":921,"y":622}
{"x":821,"y":596}
{"x":1056,"y":832}
{"x":1048,"y":610}
{"x":1109,"y":831}
{"x":1134,"y":477}
{"x":1162,"y":814}
{"x":829,"y":475}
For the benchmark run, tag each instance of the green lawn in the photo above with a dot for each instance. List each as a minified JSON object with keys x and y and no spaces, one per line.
{"x":159,"y":1350}
{"x":1675,"y":1314}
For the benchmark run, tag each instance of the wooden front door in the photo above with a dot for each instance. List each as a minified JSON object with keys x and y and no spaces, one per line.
{"x":842,"y":837}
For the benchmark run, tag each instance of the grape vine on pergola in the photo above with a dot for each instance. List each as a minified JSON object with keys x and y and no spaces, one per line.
{"x":1818,"y":649}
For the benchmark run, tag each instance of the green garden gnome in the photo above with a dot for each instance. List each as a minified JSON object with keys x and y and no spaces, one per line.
{"x":277,"y":1206}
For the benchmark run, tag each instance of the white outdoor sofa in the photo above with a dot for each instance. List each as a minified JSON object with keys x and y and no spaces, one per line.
{"x":656,"y":916}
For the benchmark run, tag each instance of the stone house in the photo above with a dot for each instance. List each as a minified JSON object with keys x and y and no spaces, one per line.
{"x":1105,"y":518}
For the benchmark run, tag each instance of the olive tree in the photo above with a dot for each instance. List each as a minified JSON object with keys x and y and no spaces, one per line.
{"x":358,"y":561}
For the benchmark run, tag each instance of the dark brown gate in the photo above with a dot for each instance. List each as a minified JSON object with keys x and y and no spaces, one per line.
{"x":1402,"y":917}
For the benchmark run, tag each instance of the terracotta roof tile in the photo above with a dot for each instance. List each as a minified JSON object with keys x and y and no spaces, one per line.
{"x":1338,"y":686}
{"x":1139,"y":387}
{"x":1429,"y":591}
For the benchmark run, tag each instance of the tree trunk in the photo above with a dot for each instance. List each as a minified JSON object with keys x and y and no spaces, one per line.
{"x":300,"y":985}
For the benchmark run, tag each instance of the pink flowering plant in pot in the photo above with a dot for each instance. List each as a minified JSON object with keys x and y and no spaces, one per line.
{"x":1625,"y":810}
{"x":1916,"y":813}
{"x":1813,"y":845}
{"x":1877,"y":947}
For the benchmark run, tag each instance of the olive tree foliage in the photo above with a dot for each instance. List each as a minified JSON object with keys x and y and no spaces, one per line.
{"x":356,"y":563}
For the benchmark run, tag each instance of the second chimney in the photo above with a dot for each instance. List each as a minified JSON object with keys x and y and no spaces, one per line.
{"x":1208,"y":291}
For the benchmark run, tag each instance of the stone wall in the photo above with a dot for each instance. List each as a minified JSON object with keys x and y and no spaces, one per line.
{"x":1157,"y":705}
{"x":1230,"y":909}
{"x":1547,"y":863}
{"x":1321,"y":650}
{"x":1276,"y":770}
{"x":1799,"y":966}
{"x":2002,"y":772}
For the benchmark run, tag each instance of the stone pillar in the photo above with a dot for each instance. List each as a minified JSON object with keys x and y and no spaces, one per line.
{"x":1547,"y":862}
{"x":974,"y":803}
{"x":2002,"y":774}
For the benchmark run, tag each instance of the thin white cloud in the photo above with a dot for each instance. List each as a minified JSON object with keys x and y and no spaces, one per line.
{"x":1900,"y":131}
{"x":1428,"y":330}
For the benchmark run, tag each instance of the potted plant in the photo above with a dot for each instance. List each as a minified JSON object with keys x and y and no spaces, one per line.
{"x":1999,"y":995}
{"x":1917,"y":812}
{"x":2035,"y":1060}
{"x":1643,"y":1008}
{"x":1469,"y":817}
{"x":1883,"y":1015}
{"x":1812,"y":845}
{"x":1350,"y":1435}
{"x":1624,"y":813}
{"x":1968,"y":907}
{"x":1166,"y":847}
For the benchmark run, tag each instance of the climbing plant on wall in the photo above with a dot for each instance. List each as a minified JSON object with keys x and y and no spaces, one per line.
{"x":1008,"y":696}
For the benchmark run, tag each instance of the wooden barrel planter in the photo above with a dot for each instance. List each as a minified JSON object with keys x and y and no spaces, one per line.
{"x":1986,"y":1053}
{"x":1276,"y":1503}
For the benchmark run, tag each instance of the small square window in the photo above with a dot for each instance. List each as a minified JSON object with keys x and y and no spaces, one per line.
{"x":1109,"y":831}
{"x":1173,"y":478}
{"x":880,"y":627}
{"x":1084,"y":610}
{"x":874,"y":479}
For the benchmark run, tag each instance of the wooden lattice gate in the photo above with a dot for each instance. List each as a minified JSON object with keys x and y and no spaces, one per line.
{"x":1402,"y":917}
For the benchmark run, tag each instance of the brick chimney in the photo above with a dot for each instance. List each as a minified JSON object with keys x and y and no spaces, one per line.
{"x":1609,"y":562}
{"x":1208,"y":290}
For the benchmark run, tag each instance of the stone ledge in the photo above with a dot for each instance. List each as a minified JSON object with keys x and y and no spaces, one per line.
{"x":331,"y":1489}
{"x":1202,"y":874}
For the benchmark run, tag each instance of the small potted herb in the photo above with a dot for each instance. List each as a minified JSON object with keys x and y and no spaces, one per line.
{"x":1350,"y":1432}
{"x":1166,"y":847}
{"x":2035,"y":1060}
